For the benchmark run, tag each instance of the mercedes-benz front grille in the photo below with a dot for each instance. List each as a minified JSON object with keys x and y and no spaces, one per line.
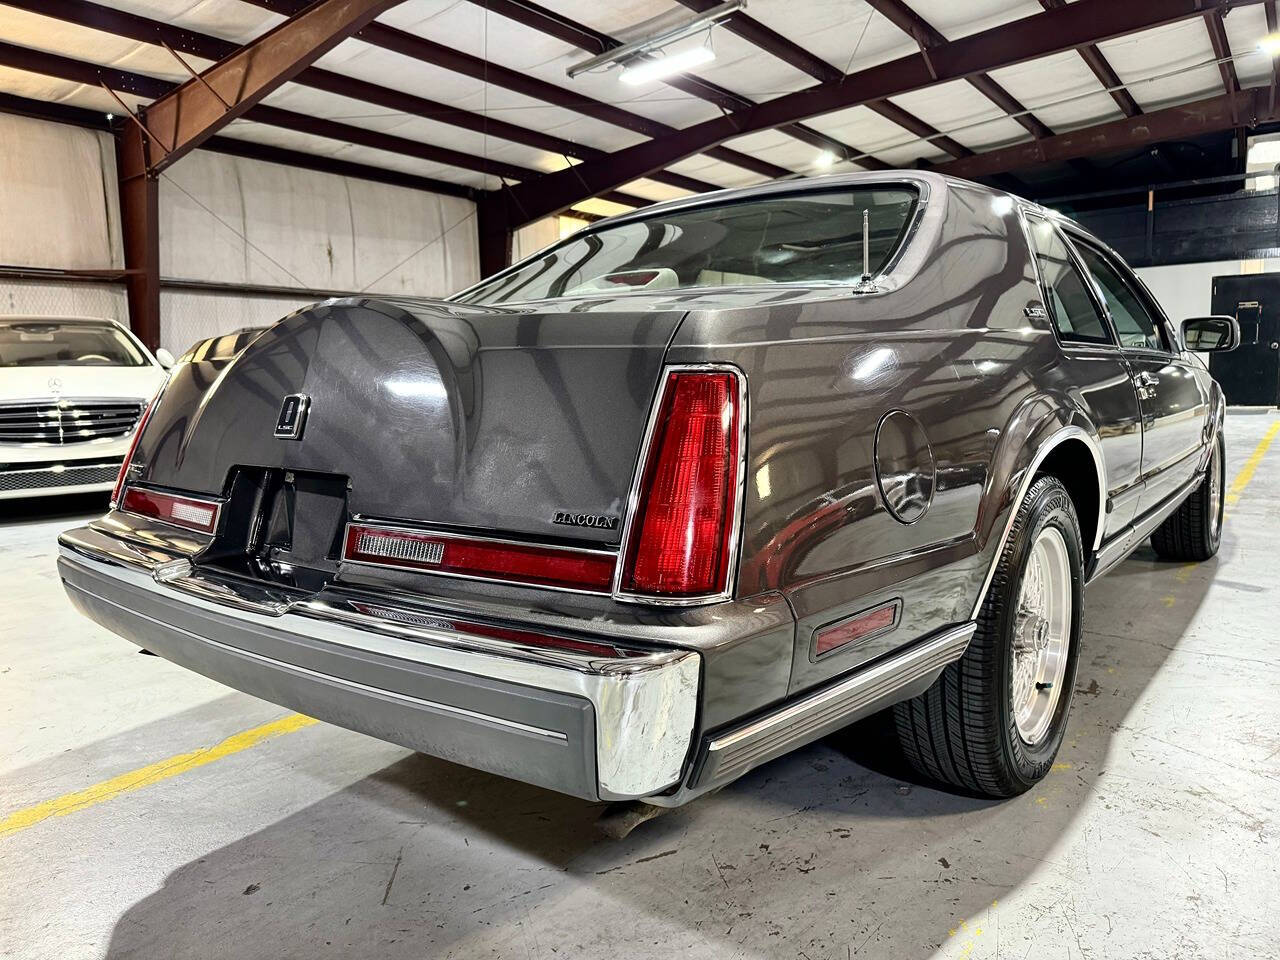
{"x":17,"y":477}
{"x":67,"y":421}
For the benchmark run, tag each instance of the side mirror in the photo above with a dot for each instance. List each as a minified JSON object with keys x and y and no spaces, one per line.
{"x":1211,"y":334}
{"x":164,"y":358}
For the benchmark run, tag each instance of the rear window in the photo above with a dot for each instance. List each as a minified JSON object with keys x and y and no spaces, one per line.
{"x":33,"y":343}
{"x":806,"y":238}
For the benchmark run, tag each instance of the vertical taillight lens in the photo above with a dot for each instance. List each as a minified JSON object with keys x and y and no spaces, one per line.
{"x":133,"y":446}
{"x":680,"y":540}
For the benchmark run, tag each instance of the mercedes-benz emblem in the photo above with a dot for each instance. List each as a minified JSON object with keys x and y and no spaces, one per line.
{"x":55,"y":384}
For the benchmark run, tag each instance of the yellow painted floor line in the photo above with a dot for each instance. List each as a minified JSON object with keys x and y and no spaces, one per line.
{"x":153,"y":773}
{"x":1251,"y":465}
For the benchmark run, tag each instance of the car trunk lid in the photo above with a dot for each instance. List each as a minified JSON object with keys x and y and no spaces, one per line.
{"x":522,"y":423}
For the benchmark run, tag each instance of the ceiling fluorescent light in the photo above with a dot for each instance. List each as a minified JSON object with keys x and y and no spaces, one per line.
{"x":628,"y":52}
{"x":659,"y":67}
{"x":1270,"y":44}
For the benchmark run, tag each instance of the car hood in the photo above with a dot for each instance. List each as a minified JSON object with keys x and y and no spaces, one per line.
{"x":83,"y":383}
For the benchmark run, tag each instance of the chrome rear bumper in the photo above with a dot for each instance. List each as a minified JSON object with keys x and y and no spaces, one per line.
{"x":587,"y":718}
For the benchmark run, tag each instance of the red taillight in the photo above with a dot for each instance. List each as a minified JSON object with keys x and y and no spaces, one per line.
{"x":679,"y":544}
{"x":133,"y":446}
{"x":475,"y":557}
{"x":190,"y":512}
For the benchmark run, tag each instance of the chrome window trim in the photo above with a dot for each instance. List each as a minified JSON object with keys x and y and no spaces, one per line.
{"x":633,"y":494}
{"x":1029,"y":473}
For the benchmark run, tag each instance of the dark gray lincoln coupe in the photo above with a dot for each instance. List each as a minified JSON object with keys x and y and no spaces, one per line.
{"x":685,"y":491}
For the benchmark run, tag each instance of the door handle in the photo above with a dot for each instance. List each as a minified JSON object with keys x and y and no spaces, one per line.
{"x":1145,"y":379}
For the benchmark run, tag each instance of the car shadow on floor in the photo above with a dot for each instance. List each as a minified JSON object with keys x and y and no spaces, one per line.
{"x":42,"y":509}
{"x":832,"y":851}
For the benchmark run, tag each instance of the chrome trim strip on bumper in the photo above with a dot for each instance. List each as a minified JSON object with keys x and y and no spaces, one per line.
{"x":645,"y":703}
{"x":341,"y":681}
{"x":731,"y":754}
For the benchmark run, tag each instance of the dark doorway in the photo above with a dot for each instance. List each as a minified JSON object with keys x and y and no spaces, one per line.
{"x":1250,"y":375}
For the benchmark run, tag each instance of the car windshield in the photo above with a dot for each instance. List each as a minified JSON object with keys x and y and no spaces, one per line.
{"x":814,"y":237}
{"x":51,"y":343}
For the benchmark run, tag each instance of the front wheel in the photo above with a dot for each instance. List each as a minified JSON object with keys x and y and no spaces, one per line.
{"x":1194,"y":530}
{"x":993,"y":721}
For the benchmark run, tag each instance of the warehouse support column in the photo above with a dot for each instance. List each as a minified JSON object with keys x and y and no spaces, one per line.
{"x":140,"y":232}
{"x":493,"y":228}
{"x":180,"y":121}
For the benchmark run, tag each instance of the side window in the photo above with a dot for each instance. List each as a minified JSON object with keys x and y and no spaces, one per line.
{"x":1070,"y":305}
{"x":1135,"y":326}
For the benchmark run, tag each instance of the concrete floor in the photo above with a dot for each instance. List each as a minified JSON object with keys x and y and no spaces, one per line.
{"x":1155,"y":836}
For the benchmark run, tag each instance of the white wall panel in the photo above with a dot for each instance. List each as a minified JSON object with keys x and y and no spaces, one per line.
{"x":533,"y":237}
{"x":190,"y":315}
{"x":1186,"y":289}
{"x":54,"y":298}
{"x":58,"y":201}
{"x":232,"y":220}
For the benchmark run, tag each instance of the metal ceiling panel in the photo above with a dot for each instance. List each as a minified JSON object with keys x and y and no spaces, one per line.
{"x":847,"y":34}
{"x":228,"y":19}
{"x":93,"y":46}
{"x":469,"y":28}
{"x":1167,"y":65}
{"x":739,"y":66}
{"x":1245,"y":27}
{"x":1061,"y":90}
{"x":882,"y":138}
{"x":716,"y":171}
{"x":317,"y":103}
{"x":305,"y":142}
{"x":376,"y":65}
{"x":954,"y":20}
{"x":956,"y":108}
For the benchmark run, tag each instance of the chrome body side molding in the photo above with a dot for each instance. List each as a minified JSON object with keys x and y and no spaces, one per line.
{"x":1132,"y":536}
{"x":727,"y":755}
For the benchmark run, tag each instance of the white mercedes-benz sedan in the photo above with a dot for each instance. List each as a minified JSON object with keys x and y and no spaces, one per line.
{"x":71,"y":393}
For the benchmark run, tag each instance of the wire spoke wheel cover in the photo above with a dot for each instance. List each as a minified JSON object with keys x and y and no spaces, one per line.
{"x":1042,"y":636}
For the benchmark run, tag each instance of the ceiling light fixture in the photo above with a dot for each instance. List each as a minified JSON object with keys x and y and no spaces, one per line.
{"x":625,"y":54}
{"x":643,"y":71}
{"x":826,"y":160}
{"x":1270,"y":44}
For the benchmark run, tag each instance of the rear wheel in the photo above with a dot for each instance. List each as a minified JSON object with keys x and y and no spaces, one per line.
{"x":993,"y":722}
{"x":1194,"y":530}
